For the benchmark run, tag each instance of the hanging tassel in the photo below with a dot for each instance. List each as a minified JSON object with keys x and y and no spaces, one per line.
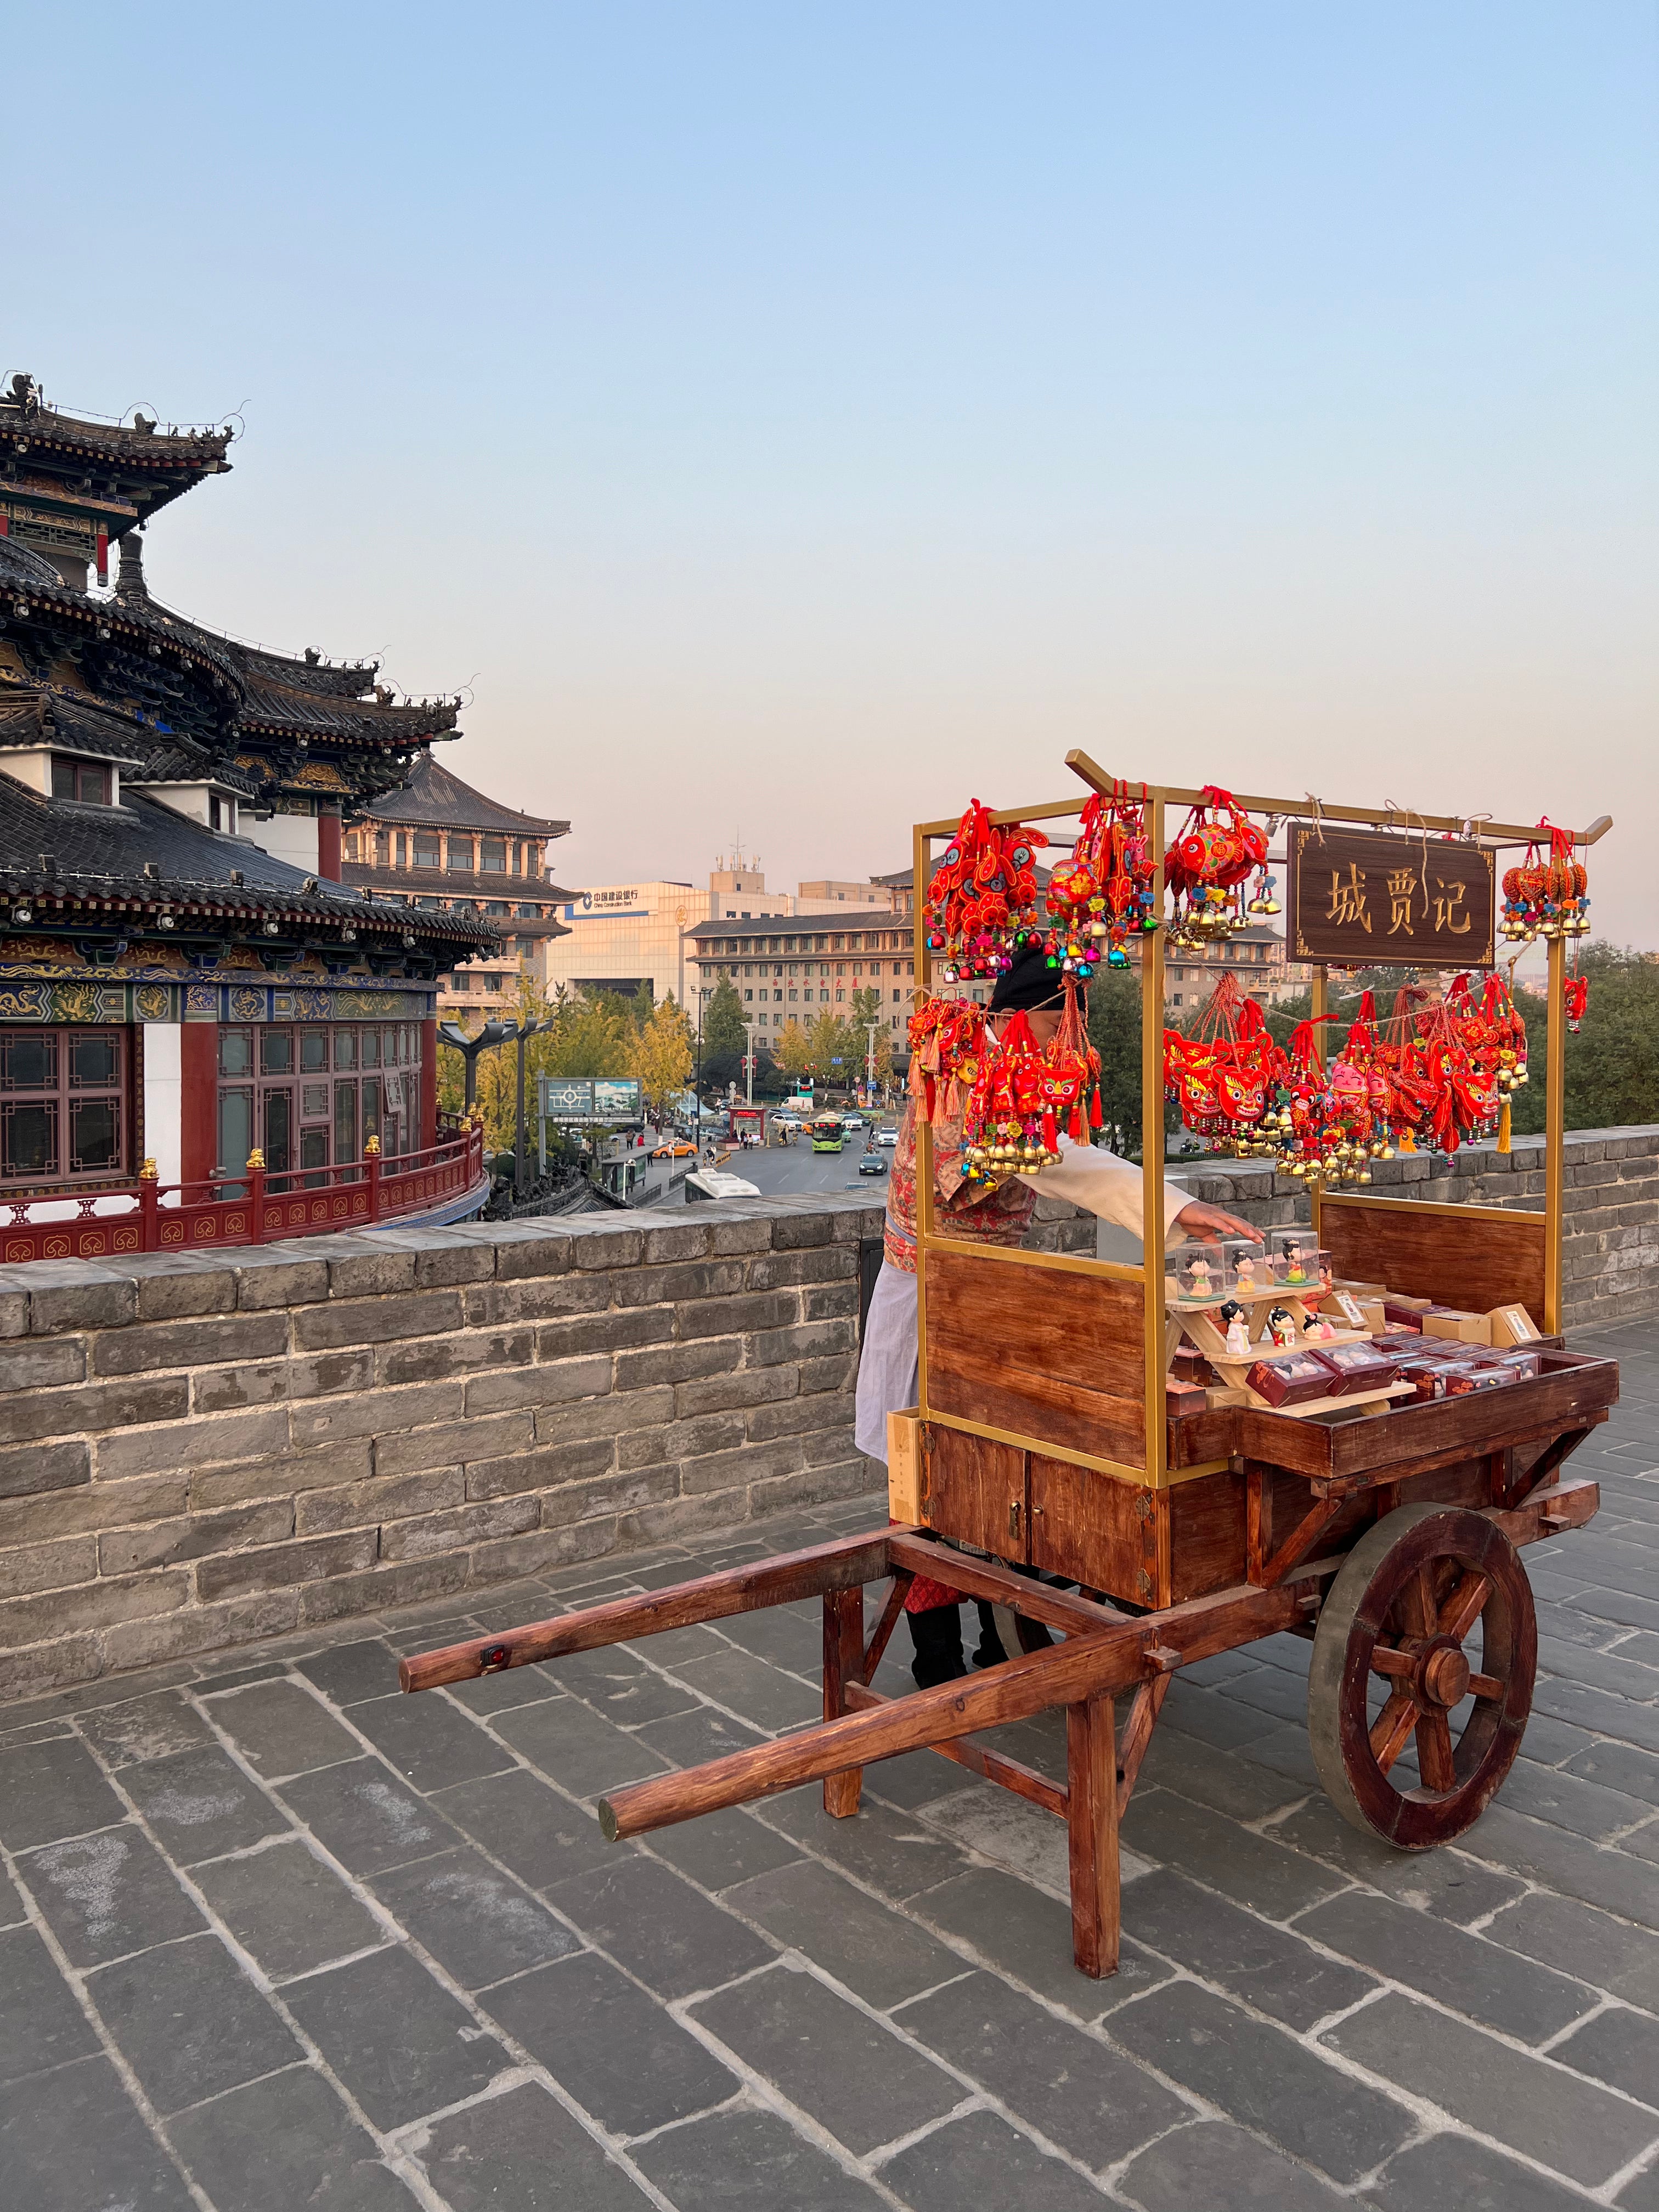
{"x":1096,"y":1119}
{"x":1050,"y":1133}
{"x":1074,"y":1126}
{"x":1504,"y":1127}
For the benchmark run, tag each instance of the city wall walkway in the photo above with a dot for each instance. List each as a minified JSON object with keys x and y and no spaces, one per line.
{"x":272,"y":1935}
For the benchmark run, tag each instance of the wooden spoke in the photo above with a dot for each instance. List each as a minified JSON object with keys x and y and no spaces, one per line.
{"x":1416,"y":1601}
{"x":1486,"y":1686}
{"x":1386,"y":1660}
{"x":1391,"y":1728}
{"x":1434,"y":1752}
{"x":1463,"y":1607}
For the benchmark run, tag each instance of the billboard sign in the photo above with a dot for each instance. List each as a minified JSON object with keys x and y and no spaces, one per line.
{"x":590,"y":1101}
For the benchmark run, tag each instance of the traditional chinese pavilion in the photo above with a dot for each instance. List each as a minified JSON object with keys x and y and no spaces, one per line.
{"x":205,"y":1036}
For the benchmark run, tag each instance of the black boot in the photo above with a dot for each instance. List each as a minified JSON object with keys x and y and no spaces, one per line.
{"x":937,"y":1635}
{"x":990,"y":1652}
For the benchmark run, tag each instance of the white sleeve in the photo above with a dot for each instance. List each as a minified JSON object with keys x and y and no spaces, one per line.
{"x":1102,"y":1183}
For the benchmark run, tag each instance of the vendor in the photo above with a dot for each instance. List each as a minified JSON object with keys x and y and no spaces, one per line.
{"x":1097,"y":1180}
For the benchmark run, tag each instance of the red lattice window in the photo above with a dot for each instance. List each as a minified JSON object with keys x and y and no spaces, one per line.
{"x":63,"y":1104}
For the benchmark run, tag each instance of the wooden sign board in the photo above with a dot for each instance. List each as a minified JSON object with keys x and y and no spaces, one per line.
{"x":1362,"y":898}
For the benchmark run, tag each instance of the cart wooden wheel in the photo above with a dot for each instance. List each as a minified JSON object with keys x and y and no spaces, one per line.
{"x":1390,"y":1664}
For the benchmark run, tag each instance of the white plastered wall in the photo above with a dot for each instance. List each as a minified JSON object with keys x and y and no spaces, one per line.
{"x":291,"y":837}
{"x":164,"y":1099}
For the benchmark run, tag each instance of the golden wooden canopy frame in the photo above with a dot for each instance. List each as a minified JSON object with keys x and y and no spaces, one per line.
{"x":1520,"y":1249}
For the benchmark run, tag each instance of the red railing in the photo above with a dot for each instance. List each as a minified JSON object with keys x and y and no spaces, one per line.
{"x":255,"y":1207}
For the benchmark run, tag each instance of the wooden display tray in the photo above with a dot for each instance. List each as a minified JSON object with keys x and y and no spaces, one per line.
{"x":1195,"y":1323}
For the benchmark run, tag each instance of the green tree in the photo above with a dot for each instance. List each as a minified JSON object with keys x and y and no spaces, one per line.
{"x":722,"y":1022}
{"x":1115,"y":1033}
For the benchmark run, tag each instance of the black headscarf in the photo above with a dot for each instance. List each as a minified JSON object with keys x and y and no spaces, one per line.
{"x":1030,"y":983}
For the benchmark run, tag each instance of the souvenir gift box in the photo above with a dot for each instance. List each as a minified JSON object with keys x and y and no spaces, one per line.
{"x":1292,"y":1379}
{"x":1357,"y":1367}
{"x":1459,"y":1376}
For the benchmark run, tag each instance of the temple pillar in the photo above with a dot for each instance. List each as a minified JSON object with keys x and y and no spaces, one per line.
{"x":199,"y":1098}
{"x":328,"y":844}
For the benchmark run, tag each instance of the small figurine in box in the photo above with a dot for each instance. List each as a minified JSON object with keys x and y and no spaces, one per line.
{"x":1281,"y":1327}
{"x":1239,"y":1336}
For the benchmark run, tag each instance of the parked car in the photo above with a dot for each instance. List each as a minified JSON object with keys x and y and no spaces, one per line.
{"x":888,"y":1137}
{"x":872,"y":1164}
{"x":679,"y":1150}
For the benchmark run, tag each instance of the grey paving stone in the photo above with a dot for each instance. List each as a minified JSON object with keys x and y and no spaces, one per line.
{"x":1552,"y":1742}
{"x":504,"y":1693}
{"x":1286,"y":1751}
{"x":669,"y":1935}
{"x":916,"y":1779}
{"x":289,"y":1910}
{"x":719,"y":1849}
{"x":886,"y":1849}
{"x":759,"y":1691}
{"x":200,"y":1804}
{"x":856,"y":2080}
{"x":233,"y":1678}
{"x":1565,"y":1863}
{"x":782,"y":1637}
{"x":432,"y":1744}
{"x":1172,"y":1831}
{"x":365,"y":1817}
{"x":1214,"y":2164}
{"x":621,"y":1683}
{"x":1279,"y":1973}
{"x":523,"y":2151}
{"x":1602,"y":1711}
{"x":1263,"y":2078}
{"x":1578,"y":1939}
{"x":1443,"y":1882}
{"x":109,"y":1893}
{"x":41,"y":2025}
{"x":576,"y":1747}
{"x":980,"y":2161}
{"x":399,"y":2042}
{"x":1238,"y":1786}
{"x":1618,"y":2047}
{"x":1057,"y":2078}
{"x":1464,"y":1973}
{"x":1625,"y":1671}
{"x":348,"y":1673}
{"x":474,"y":1921}
{"x":1214,"y":1716}
{"x":189,"y":2022}
{"x":1027,"y":1934}
{"x":284,"y":2142}
{"x":755,"y":2162}
{"x":878,"y":1952}
{"x":675,"y":1645}
{"x":1619,"y":1766}
{"x":74,"y":2140}
{"x":1549,"y":1793}
{"x":1273,"y":1689}
{"x":1623,"y":1607}
{"x":1643,"y":1842}
{"x":281,"y":1729}
{"x":1641,"y":2192}
{"x":611,"y":2047}
{"x":1450,"y":2169}
{"x":1564,"y":2124}
{"x":145,"y":1728}
{"x":543,"y":1837}
{"x":700,"y":1732}
{"x":53,"y":1790}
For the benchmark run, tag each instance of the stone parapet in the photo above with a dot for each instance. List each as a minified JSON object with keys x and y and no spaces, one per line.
{"x":195,"y":1451}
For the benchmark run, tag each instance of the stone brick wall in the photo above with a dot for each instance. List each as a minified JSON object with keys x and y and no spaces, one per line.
{"x":198,"y":1450}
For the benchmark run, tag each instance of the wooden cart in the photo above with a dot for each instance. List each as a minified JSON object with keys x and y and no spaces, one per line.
{"x":1124,"y":1543}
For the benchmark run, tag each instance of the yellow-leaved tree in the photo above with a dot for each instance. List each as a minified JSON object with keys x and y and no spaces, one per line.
{"x":662,"y":1057}
{"x":793,"y":1051}
{"x":585,"y":1036}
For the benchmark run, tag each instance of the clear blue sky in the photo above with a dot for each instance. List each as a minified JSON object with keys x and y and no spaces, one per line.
{"x":797,"y":419}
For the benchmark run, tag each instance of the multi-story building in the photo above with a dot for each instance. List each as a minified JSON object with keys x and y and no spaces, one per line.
{"x":820,"y":897}
{"x":443,"y":846}
{"x":629,"y":938}
{"x":804,"y":965}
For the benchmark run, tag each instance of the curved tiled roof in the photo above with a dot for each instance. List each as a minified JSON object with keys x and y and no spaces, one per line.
{"x":328,"y":679}
{"x":21,"y":565}
{"x":92,"y":860}
{"x":141,"y":445}
{"x":433,"y":797}
{"x":67,"y":722}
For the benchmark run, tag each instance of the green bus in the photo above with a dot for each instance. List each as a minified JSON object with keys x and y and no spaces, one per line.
{"x":828,"y":1135}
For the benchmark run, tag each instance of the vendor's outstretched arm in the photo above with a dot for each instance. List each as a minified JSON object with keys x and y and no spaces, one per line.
{"x":1102,"y":1183}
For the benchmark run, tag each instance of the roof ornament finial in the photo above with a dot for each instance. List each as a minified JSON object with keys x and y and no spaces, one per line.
{"x":25,"y":393}
{"x":129,"y":582}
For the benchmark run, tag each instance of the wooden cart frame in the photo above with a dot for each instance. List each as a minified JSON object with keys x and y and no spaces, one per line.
{"x":1042,"y":1448}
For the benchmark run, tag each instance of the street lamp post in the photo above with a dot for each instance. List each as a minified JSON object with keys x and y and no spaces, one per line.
{"x":524,"y":1031}
{"x":492,"y":1033}
{"x":870,"y":1061}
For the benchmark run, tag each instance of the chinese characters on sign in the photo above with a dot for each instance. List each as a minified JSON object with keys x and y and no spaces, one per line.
{"x":1360,"y":898}
{"x":579,"y":1100}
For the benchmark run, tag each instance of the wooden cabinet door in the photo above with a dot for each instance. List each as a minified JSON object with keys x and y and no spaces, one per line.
{"x":974,"y":1491}
{"x":1097,"y":1531}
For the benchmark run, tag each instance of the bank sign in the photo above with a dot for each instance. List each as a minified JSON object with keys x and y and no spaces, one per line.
{"x":607,"y":906}
{"x":585,"y":1100}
